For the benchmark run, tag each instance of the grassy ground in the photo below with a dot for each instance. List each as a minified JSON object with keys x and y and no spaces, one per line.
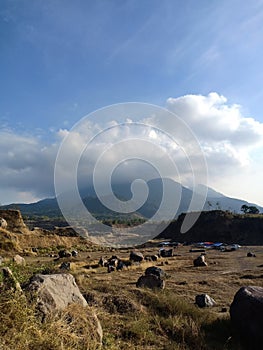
{"x":134,"y":318}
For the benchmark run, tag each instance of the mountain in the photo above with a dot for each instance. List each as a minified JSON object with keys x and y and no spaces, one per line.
{"x":176,"y":197}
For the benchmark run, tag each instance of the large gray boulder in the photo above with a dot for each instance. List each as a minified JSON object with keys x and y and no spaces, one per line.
{"x":150,"y":281}
{"x":246,"y":312}
{"x":57,"y":292}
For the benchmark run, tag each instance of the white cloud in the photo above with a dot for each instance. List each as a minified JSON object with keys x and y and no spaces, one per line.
{"x":228,"y":139}
{"x":231,"y":142}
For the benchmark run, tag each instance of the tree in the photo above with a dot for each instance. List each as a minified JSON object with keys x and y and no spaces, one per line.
{"x":245,"y":208}
{"x":249,"y":209}
{"x":253,"y":210}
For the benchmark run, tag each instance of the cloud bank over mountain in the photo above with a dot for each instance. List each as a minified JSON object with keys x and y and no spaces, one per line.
{"x":232,"y":144}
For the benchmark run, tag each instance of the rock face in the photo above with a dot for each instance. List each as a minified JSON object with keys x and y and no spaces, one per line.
{"x":204,"y":300}
{"x":14,"y":220}
{"x":150,"y":281}
{"x":246,"y":313}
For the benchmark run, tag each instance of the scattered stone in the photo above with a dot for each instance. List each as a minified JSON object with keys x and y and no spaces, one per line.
{"x":136,"y":256}
{"x":157,"y":271}
{"x":65,"y":266}
{"x":200,"y":261}
{"x":166,"y":253}
{"x":19,"y":260}
{"x":74,"y":253}
{"x":182,"y":283}
{"x":251,"y":255}
{"x":246,"y":313}
{"x":204,"y":300}
{"x":64,"y":253}
{"x":150,"y":281}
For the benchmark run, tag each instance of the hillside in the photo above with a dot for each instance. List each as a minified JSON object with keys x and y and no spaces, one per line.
{"x":219,"y":226}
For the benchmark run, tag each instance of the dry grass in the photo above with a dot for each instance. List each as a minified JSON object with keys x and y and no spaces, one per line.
{"x":135,"y":318}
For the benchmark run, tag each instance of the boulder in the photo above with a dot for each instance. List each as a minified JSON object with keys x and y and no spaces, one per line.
{"x":200,"y":261}
{"x":150,"y":281}
{"x":19,"y":260}
{"x":64,"y":253}
{"x":55,"y":292}
{"x":136,"y":256}
{"x":154,"y":270}
{"x":246,"y":312}
{"x":166,"y":253}
{"x":204,"y":300}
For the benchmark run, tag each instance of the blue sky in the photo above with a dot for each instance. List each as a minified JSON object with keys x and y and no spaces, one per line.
{"x":61,"y":60}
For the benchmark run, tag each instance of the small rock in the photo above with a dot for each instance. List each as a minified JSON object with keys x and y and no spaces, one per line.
{"x":65,"y":266}
{"x":200,"y":261}
{"x":251,"y":255}
{"x":204,"y":300}
{"x":19,"y":260}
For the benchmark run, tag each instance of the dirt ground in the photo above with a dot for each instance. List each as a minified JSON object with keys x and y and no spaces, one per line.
{"x":225,"y":274}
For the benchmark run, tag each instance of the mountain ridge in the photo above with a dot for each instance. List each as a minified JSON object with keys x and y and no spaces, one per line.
{"x":182,"y":197}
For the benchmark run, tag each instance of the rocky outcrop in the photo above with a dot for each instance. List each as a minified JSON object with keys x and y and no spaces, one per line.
{"x":246,"y":313}
{"x":15,"y":222}
{"x":218,"y":226}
